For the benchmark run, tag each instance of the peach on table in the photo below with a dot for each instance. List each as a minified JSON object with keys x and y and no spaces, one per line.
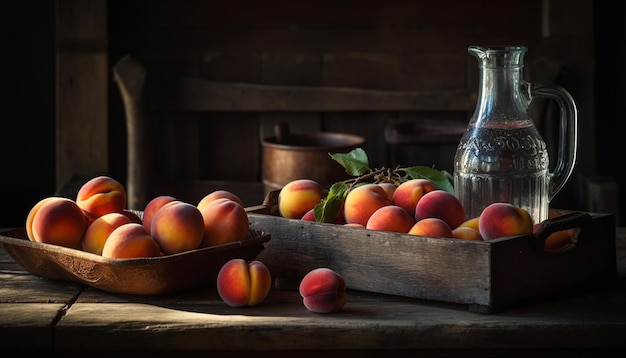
{"x":323,"y":290}
{"x":240,"y":283}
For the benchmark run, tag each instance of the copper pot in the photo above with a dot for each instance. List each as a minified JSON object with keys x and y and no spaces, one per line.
{"x":288,"y":156}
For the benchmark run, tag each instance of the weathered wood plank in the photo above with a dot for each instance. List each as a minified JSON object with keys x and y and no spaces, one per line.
{"x":82,"y":89}
{"x":333,"y":14}
{"x":28,"y":326}
{"x":480,"y":274}
{"x":368,"y":322}
{"x":299,"y":39}
{"x":573,"y":323}
{"x":205,"y":95}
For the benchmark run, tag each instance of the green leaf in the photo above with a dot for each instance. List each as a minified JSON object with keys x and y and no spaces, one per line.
{"x":355,"y":162}
{"x":339,"y":189}
{"x":441,"y":178}
{"x":329,"y":207}
{"x":327,"y":210}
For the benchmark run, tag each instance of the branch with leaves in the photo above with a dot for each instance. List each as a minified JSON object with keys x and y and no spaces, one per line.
{"x":357,"y":165}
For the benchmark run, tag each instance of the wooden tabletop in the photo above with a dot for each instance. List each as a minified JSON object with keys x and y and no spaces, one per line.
{"x":38,"y":314}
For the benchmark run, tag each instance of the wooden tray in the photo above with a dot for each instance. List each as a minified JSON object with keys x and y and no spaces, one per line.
{"x":485,"y":275}
{"x":142,"y":276}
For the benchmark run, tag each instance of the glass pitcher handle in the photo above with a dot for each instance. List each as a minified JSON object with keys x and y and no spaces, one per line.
{"x":568,"y":134}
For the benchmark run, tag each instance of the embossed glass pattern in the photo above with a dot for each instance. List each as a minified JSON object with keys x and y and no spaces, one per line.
{"x":502,"y":156}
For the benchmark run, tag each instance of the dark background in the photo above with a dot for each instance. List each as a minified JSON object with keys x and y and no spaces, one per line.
{"x":28,"y":130}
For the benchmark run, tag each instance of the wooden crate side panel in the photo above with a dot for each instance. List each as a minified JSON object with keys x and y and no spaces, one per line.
{"x":520,"y":272}
{"x":407,"y":265}
{"x":486,"y":275}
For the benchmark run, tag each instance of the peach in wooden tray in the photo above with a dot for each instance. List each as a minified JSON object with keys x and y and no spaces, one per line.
{"x":143,"y":276}
{"x":486,"y":275}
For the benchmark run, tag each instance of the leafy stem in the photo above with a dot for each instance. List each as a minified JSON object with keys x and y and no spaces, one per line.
{"x":356,"y":164}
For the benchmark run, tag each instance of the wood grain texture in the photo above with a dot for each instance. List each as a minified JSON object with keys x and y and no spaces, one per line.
{"x":82,"y":89}
{"x":75,"y":320}
{"x":486,"y":275}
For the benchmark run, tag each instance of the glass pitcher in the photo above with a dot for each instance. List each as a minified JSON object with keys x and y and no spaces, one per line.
{"x":502,"y":157}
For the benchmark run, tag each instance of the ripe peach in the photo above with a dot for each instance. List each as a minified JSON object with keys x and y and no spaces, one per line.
{"x":471,"y":223}
{"x":558,"y":239}
{"x":466,"y":233}
{"x":99,"y":230}
{"x":31,"y":216}
{"x":56,"y":220}
{"x":242,"y":284}
{"x":177,"y":227}
{"x":299,"y":196}
{"x":443,"y":205}
{"x":323,"y":291}
{"x":390,"y":218}
{"x":152,"y":207}
{"x":132,"y":216}
{"x":355,"y":225}
{"x":389,"y":188}
{"x":504,"y":219}
{"x":432,"y":227}
{"x":310,"y":216}
{"x":130,"y":240}
{"x":101,"y":195}
{"x":224,"y":221}
{"x":219,"y":194}
{"x":362,"y":201}
{"x":410,"y":192}
{"x":214,"y":202}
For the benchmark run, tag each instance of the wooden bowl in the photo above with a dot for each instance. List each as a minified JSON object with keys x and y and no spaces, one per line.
{"x":142,"y":276}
